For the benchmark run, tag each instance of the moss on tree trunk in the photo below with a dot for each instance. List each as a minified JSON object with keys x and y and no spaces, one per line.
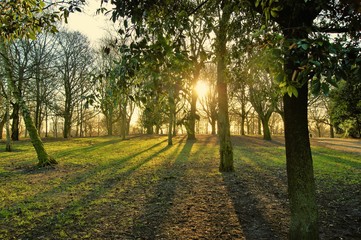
{"x":44,"y":158}
{"x":301,"y":184}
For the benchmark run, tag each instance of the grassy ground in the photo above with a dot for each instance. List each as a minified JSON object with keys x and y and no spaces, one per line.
{"x":105,"y":188}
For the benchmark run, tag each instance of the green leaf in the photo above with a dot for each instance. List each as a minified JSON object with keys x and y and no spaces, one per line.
{"x":316,"y":87}
{"x":325,"y":88}
{"x":291,"y":90}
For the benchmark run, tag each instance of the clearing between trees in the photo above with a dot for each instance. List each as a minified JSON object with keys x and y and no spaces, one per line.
{"x":105,"y":188}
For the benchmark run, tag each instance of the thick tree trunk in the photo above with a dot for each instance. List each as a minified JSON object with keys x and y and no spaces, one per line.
{"x":226,"y":148}
{"x":301,"y":184}
{"x":266,"y":129}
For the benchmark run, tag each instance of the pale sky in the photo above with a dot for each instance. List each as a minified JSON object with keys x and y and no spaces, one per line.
{"x":87,"y":22}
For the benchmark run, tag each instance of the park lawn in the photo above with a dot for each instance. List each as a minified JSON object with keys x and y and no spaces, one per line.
{"x":105,"y":188}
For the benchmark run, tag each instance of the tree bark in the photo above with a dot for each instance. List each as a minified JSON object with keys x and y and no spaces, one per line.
{"x":16,"y":121}
{"x":2,"y":124}
{"x":301,"y":184}
{"x":7,"y":115}
{"x":213,"y":125}
{"x":43,"y":156}
{"x":123,"y":121}
{"x":266,"y":129}
{"x":226,"y":148}
{"x":171,"y":102}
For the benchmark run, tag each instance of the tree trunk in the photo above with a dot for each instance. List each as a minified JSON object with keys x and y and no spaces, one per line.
{"x":16,"y":121}
{"x":301,"y":184}
{"x":123,"y":121}
{"x":226,"y":148}
{"x":171,"y":103}
{"x":2,"y":124}
{"x":213,"y":125}
{"x":67,"y":126}
{"x":266,"y":129}
{"x":332,"y":132}
{"x":43,"y":157}
{"x":259,"y":132}
{"x":7,"y":119}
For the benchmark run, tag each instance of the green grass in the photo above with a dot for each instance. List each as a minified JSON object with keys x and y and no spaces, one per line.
{"x":105,"y":175}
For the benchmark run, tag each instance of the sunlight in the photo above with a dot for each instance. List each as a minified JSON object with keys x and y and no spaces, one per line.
{"x":202,"y":88}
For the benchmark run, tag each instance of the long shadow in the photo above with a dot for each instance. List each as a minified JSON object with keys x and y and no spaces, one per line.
{"x":251,"y":212}
{"x":331,"y":159}
{"x":75,"y":208}
{"x":258,"y":190}
{"x":77,"y":178}
{"x":147,"y":226}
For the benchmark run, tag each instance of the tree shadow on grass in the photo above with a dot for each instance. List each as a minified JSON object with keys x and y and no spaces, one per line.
{"x":78,"y":200}
{"x":149,"y":224}
{"x":259,"y":216}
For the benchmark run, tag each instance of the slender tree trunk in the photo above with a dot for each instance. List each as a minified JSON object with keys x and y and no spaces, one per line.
{"x":226,"y":148}
{"x":16,"y":121}
{"x":332,"y":132}
{"x":174,"y":123}
{"x":7,"y":115}
{"x":123,"y":112}
{"x":43,"y":157}
{"x":242,"y":126}
{"x":171,"y":103}
{"x":46,"y":121}
{"x":2,"y":124}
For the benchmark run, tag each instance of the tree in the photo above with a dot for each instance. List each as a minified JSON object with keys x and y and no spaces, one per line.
{"x":197,"y":35}
{"x":24,"y":19}
{"x":263,"y":97}
{"x":305,"y":59}
{"x":226,"y":149}
{"x":74,"y":66}
{"x":43,"y":83}
{"x":346,"y":106}
{"x":43,"y":157}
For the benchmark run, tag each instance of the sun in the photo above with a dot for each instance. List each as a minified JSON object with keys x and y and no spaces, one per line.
{"x":202,"y":88}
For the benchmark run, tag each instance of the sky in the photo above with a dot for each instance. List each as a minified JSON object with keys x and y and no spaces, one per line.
{"x":89,"y":23}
